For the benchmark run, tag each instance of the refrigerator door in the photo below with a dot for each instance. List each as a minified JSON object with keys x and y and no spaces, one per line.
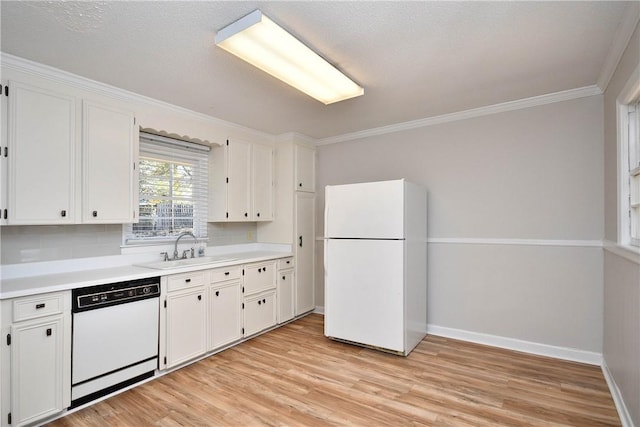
{"x":372,"y":210}
{"x":364,"y":292}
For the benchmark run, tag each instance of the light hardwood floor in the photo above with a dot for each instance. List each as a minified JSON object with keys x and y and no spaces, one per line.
{"x":295,"y":376}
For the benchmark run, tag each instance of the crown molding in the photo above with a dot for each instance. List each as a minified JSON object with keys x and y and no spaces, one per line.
{"x":619,"y":45}
{"x":534,"y":101}
{"x":60,"y":76}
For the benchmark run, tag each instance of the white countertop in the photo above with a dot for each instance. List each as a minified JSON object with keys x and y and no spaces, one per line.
{"x":60,"y":281}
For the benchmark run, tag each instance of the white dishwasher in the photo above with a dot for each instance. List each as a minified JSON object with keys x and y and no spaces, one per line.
{"x":115,"y":337}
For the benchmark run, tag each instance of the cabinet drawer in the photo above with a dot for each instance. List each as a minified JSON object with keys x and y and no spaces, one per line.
{"x":226,"y":273}
{"x":285,"y":263}
{"x":259,"y":277}
{"x":37,"y":306}
{"x":186,"y":280}
{"x":259,"y":312}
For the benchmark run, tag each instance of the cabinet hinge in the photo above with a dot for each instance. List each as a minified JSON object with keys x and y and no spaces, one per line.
{"x":243,"y":308}
{"x":227,"y":214}
{"x":165,"y":360}
{"x":6,"y":91}
{"x":134,"y":165}
{"x":242,"y":331}
{"x":134,"y":214}
{"x":243,"y":275}
{"x":165,"y":306}
{"x":9,"y":418}
{"x":227,"y":180}
{"x":8,"y":339}
{"x":5,"y":214}
{"x":135,"y":121}
{"x":243,"y":293}
{"x":227,"y":142}
{"x":6,"y":151}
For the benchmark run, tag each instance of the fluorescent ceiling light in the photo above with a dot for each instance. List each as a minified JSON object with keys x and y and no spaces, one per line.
{"x":262,"y":43}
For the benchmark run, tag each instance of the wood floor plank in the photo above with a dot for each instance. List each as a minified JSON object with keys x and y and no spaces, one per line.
{"x":294,"y":376}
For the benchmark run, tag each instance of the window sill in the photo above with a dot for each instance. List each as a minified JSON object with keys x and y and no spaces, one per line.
{"x":631,"y":253}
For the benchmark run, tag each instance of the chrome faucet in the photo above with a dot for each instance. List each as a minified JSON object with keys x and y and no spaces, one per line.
{"x":184,"y":254}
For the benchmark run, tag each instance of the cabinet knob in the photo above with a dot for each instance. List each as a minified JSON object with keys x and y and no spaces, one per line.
{"x":49,"y":332}
{"x":284,"y":277}
{"x":259,"y":302}
{"x":187,"y":280}
{"x":299,"y":184}
{"x":264,"y":301}
{"x":246,"y":214}
{"x":63,"y":213}
{"x":95,"y":214}
{"x":217,"y":293}
{"x":199,"y":297}
{"x":226,"y":273}
{"x":258,"y":214}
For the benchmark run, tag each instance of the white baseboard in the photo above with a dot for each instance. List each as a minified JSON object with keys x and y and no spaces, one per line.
{"x":564,"y":353}
{"x":625,"y":417}
{"x":319,"y":309}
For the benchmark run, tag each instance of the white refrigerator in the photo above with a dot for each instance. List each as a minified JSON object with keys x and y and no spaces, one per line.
{"x":375,"y":264}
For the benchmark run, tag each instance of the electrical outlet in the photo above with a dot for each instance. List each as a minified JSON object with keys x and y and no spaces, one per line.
{"x":250,"y":235}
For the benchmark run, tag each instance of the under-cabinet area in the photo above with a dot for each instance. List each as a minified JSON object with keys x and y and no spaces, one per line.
{"x":198,"y":312}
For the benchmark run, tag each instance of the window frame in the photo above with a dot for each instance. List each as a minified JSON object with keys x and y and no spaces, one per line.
{"x":160,"y":148}
{"x":628,"y":148}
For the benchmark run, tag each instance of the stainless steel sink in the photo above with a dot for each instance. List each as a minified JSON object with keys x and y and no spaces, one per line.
{"x":164,"y":265}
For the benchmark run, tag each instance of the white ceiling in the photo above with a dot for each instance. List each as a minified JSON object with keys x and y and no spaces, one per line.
{"x":415,"y":59}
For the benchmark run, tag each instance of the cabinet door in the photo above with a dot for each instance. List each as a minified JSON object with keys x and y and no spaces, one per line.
{"x":36,"y":370}
{"x":285,"y":295}
{"x":305,"y":169}
{"x":109,"y":153}
{"x":304,"y":251}
{"x":186,"y":326}
{"x":42,"y":163}
{"x":239,"y":175}
{"x":259,"y":312}
{"x":225,"y":316}
{"x":3,"y":155}
{"x":262,"y":183}
{"x":259,"y":277}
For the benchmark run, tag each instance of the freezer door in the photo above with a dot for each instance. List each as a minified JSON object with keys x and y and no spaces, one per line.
{"x":364,"y":292}
{"x":372,"y":210}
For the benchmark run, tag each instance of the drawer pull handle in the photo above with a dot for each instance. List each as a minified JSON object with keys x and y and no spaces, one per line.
{"x":259,"y":302}
{"x":226,"y":273}
{"x":187,"y":280}
{"x":39,"y":306}
{"x":95,"y":214}
{"x":259,"y":270}
{"x":264,"y":301}
{"x":284,"y":278}
{"x":217,"y":293}
{"x":199,"y":297}
{"x":63,"y":213}
{"x":49,"y":332}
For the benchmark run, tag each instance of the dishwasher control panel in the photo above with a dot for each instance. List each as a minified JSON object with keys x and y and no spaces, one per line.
{"x":99,"y":296}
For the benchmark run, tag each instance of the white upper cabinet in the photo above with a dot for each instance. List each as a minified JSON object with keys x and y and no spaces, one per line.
{"x":70,"y":160}
{"x":241,"y":182}
{"x":262,"y":183}
{"x":42,"y":149}
{"x":110,"y":151}
{"x":305,"y":171}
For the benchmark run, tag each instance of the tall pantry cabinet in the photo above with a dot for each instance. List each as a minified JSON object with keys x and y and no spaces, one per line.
{"x":294,"y":219}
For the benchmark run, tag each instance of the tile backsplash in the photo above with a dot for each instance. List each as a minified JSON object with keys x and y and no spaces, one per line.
{"x":35,"y":243}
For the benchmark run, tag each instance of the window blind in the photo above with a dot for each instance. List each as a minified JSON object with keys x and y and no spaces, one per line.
{"x":173,"y":181}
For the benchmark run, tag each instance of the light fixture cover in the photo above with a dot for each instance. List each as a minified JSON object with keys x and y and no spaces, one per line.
{"x":265,"y":45}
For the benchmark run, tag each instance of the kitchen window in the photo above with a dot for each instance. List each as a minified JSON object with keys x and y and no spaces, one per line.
{"x":172,"y":190}
{"x":629,"y":162}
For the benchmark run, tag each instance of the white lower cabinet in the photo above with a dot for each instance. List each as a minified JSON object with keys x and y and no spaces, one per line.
{"x":37,"y":358}
{"x":259,"y":312}
{"x":285,"y":290}
{"x":225,"y":307}
{"x":185,"y":318}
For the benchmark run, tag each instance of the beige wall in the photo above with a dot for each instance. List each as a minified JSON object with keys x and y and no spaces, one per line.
{"x":621,"y":276}
{"x":534,"y":173}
